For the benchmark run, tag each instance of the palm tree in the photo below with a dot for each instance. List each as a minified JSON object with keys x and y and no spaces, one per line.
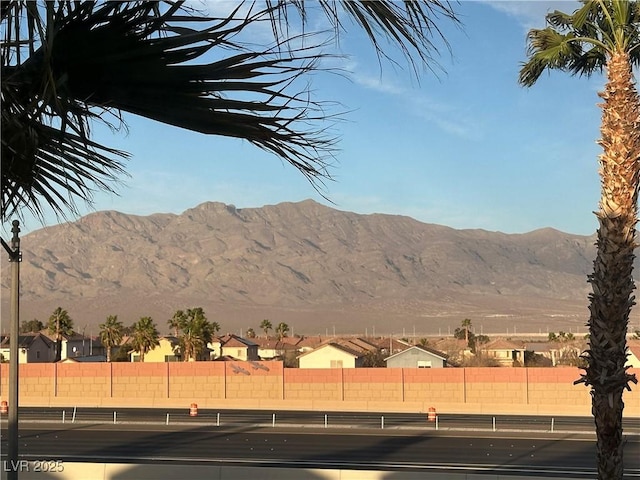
{"x":195,"y":332}
{"x":145,"y":336}
{"x":466,"y":324}
{"x":111,"y":334}
{"x":266,"y":325}
{"x":215,"y":327}
{"x":66,"y":64}
{"x":603,"y":34}
{"x":60,"y":323}
{"x":176,"y":321}
{"x":281,"y":330}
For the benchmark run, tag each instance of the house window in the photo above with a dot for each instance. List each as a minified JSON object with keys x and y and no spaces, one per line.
{"x":38,"y":354}
{"x":239,"y":353}
{"x":336,"y":363}
{"x":424,"y":363}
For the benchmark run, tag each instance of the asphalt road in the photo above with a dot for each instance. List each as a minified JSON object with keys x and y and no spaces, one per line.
{"x":543,"y":455}
{"x":501,"y":423}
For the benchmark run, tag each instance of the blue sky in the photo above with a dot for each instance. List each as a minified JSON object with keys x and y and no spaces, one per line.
{"x":470,"y":149}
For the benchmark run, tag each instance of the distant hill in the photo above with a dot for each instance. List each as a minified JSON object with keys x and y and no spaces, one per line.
{"x":309,"y":265}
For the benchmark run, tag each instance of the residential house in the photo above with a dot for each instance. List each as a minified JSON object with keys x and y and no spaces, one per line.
{"x":391,"y":346}
{"x":235,"y":347}
{"x":338,"y":353}
{"x":272,"y":348}
{"x":633,"y":359}
{"x":306,"y":344}
{"x":506,"y":352}
{"x":557,"y":353}
{"x":166,"y":351}
{"x":78,"y":345}
{"x":32,"y":348}
{"x":456,"y":350}
{"x":417,"y":357}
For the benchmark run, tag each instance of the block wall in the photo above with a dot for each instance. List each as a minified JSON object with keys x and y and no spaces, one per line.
{"x":136,"y":380}
{"x":269,"y":385}
{"x":434,"y":386}
{"x":373,"y":384}
{"x":324,"y":384}
{"x":254,"y":380}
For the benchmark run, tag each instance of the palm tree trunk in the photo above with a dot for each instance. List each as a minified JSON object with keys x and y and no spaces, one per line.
{"x":612,"y":281}
{"x":108,"y":353}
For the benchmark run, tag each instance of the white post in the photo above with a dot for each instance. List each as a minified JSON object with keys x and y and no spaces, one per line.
{"x":73,"y":417}
{"x":218,"y":419}
{"x":63,"y":416}
{"x":494,"y":424}
{"x":167,"y":422}
{"x":114,"y":417}
{"x":552,"y":419}
{"x":326,"y":420}
{"x":436,"y":422}
{"x":382,"y":422}
{"x":273,"y":421}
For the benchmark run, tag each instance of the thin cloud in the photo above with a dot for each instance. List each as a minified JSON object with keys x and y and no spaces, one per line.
{"x":531,"y":14}
{"x":446,"y":117}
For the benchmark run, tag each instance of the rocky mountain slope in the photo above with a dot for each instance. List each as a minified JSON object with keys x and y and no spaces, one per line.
{"x":303,"y":263}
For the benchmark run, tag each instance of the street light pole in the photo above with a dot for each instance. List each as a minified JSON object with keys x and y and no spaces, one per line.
{"x":15,"y":257}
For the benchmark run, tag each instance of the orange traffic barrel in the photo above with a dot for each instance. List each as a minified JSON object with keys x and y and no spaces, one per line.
{"x":4,"y":407}
{"x":193,"y":411}
{"x":431,"y":416}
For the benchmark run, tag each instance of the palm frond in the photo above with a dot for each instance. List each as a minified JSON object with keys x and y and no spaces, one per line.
{"x":67,"y":64}
{"x":580,"y":43}
{"x":411,"y":25}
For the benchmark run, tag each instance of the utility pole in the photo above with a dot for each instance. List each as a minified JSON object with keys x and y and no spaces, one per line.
{"x":15,"y":257}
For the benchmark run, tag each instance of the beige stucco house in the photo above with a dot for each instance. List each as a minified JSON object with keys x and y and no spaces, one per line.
{"x":331,"y":355}
{"x":505,"y":352}
{"x":233,"y":347}
{"x":164,"y":352}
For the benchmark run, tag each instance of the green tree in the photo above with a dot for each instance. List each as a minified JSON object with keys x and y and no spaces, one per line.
{"x":31,"y":326}
{"x":266,"y":325}
{"x":177,"y":66}
{"x":251,"y":333}
{"x":145,"y":336}
{"x":603,"y":34}
{"x":195,"y":332}
{"x":281,"y":330}
{"x":111,"y":334}
{"x":60,"y":323}
{"x":373,"y":359}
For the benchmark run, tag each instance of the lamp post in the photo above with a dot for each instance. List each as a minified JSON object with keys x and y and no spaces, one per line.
{"x":15,"y":257}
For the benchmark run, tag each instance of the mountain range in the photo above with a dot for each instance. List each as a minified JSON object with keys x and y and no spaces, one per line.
{"x":314,"y":267}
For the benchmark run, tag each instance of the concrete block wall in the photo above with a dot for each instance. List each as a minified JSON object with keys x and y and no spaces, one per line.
{"x":91,"y":381}
{"x":496,"y":385}
{"x":373,"y":384}
{"x":270,"y":385}
{"x":136,"y":381}
{"x":206,"y":382}
{"x":324,"y":384}
{"x":254,"y":380}
{"x":434,"y":386}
